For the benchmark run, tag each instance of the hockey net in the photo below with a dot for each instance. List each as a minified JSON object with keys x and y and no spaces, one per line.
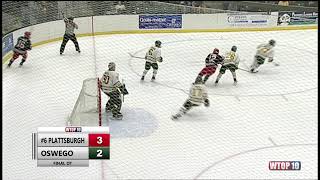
{"x":87,"y":110}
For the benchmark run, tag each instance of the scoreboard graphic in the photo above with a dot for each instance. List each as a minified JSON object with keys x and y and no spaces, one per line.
{"x":70,"y":146}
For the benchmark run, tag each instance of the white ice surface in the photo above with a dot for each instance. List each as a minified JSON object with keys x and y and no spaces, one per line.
{"x":269,"y":116}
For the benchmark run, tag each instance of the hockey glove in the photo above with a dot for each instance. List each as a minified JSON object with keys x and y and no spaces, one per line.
{"x":270,"y":59}
{"x":124,"y":90}
{"x":160,"y":59}
{"x":206,"y":103}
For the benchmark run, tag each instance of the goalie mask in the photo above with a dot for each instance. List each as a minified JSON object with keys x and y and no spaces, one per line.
{"x":112,"y":66}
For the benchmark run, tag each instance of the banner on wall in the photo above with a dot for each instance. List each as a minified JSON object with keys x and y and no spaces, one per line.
{"x":248,"y":20}
{"x":7,"y":44}
{"x":296,"y":18}
{"x":160,"y":21}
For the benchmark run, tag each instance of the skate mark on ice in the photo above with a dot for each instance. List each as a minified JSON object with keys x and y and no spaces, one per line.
{"x":272,"y":141}
{"x":246,"y":152}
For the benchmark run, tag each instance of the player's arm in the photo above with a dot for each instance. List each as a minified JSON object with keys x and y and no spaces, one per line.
{"x":29,"y":45}
{"x":75,"y":25}
{"x":158,"y":55}
{"x":270,"y":55}
{"x":237,"y":61}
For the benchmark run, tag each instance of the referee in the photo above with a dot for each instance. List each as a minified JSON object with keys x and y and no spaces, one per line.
{"x":69,"y":34}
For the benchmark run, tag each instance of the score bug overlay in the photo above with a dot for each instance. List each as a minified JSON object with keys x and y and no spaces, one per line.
{"x":70,"y":146}
{"x":285,"y":165}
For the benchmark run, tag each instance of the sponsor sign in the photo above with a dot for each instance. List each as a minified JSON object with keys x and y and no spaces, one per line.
{"x":7,"y":44}
{"x":160,"y":21}
{"x":297,"y":18}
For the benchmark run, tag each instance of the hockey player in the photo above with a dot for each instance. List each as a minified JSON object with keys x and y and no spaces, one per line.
{"x":231,"y":63}
{"x":152,"y":57}
{"x":113,"y":88}
{"x":212,"y":61}
{"x":263,"y":51}
{"x":20,"y":49}
{"x":197,"y":96}
{"x":69,"y":34}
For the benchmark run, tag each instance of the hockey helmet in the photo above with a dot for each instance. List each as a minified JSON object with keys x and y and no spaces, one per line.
{"x":27,"y":34}
{"x":216,"y":51}
{"x":112,"y":66}
{"x":272,"y":42}
{"x":158,"y":43}
{"x":70,"y":18}
{"x":234,"y":48}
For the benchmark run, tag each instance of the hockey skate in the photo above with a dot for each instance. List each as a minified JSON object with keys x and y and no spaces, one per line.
{"x":175,"y":117}
{"x":216,"y":83}
{"x":153,"y":78}
{"x":21,"y":63}
{"x":118,"y":116}
{"x":235,"y":83}
{"x":142,"y":78}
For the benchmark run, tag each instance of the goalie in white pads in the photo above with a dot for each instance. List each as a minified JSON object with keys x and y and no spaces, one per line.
{"x":230,"y":62}
{"x":198,"y":95}
{"x":153,"y":56}
{"x":113,"y":88}
{"x":264,"y":51}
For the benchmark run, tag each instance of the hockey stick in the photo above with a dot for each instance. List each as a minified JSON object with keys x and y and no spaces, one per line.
{"x":122,"y":91}
{"x":243,"y":70}
{"x":135,"y":56}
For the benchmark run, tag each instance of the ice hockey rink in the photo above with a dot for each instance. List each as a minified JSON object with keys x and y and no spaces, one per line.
{"x":268,"y":116}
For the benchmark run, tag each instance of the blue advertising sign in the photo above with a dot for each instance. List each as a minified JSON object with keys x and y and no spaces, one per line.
{"x":160,"y":21}
{"x":7,"y":44}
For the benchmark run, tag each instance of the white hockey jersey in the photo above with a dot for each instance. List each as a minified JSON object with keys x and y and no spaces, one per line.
{"x":153,"y":55}
{"x":110,"y":81}
{"x":265,"y":51}
{"x":231,"y":57}
{"x":198,"y":94}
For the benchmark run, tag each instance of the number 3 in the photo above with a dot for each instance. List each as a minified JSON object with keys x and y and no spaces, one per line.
{"x":99,"y":140}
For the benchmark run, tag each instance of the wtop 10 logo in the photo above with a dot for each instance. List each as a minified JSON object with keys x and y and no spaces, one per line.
{"x":284,"y":165}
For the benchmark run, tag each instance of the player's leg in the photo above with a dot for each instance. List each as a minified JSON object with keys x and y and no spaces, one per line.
{"x":221,"y":72}
{"x":116,"y":103}
{"x":75,"y":42}
{"x":184,"y":109}
{"x":14,"y":57}
{"x":64,"y":43}
{"x":210,"y":71}
{"x":187,"y":105}
{"x":24,"y":58}
{"x":155,"y":70}
{"x":233,"y":68}
{"x":258,"y":60}
{"x":147,"y":67}
{"x":108,"y":106}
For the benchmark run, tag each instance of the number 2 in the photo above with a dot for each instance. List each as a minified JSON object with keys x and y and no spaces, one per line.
{"x":99,"y":153}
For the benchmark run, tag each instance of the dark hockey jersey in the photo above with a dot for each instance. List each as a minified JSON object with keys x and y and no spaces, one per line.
{"x":214,"y":59}
{"x":23,"y":44}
